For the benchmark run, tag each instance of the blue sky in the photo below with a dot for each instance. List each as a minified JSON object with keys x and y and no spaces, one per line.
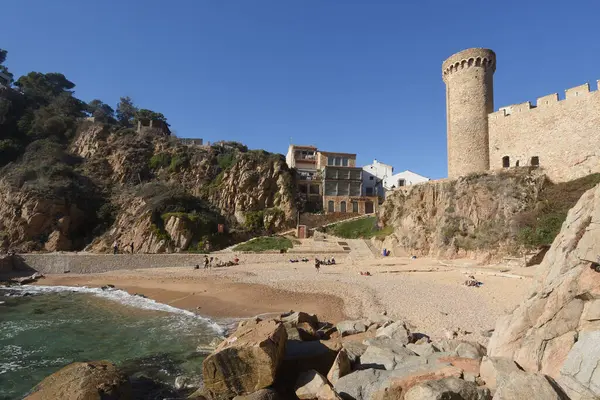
{"x":352,"y":76}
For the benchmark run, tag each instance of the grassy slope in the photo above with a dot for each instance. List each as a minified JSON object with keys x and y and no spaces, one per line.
{"x":364,"y":228}
{"x":265,"y":243}
{"x":541,"y":225}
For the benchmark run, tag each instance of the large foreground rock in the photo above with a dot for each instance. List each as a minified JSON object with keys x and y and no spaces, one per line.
{"x":526,"y":386}
{"x":312,"y":385}
{"x":377,"y":384}
{"x":262,"y":394}
{"x":397,"y":331}
{"x":580,"y":374}
{"x":346,"y":328}
{"x":540,"y":335}
{"x":446,"y":389}
{"x":496,"y":370}
{"x":92,"y":380}
{"x":246,"y":361}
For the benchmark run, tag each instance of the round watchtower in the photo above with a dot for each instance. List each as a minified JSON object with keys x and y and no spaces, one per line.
{"x":469,"y":78}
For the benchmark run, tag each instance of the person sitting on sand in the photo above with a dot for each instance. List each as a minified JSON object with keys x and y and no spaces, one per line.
{"x":115,"y":247}
{"x":332,"y":261}
{"x":236,"y":260}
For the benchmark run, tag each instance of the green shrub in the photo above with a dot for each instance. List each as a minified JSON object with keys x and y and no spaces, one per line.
{"x":226,"y":160}
{"x":158,"y":161}
{"x":178,"y":162}
{"x":255,"y":220}
{"x":265,"y":243}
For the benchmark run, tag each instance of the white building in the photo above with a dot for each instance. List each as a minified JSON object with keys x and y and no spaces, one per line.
{"x":374,"y":176}
{"x":404,"y":178}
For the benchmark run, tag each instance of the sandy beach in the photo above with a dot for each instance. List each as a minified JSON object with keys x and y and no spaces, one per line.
{"x":429,"y":294}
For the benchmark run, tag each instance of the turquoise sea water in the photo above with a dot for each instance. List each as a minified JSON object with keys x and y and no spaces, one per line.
{"x":55,"y":326}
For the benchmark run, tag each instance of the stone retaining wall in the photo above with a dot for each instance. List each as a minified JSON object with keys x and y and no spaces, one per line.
{"x":58,"y":263}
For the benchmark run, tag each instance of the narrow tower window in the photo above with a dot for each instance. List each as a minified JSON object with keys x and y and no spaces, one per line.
{"x":535,"y":161}
{"x":505,"y":162}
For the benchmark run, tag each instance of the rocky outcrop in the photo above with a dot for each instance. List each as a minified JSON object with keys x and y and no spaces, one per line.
{"x":31,"y":221}
{"x":556,"y":331}
{"x":245,"y":362}
{"x":472,"y":215}
{"x":97,"y":189}
{"x":84,"y":380}
{"x":257,"y":182}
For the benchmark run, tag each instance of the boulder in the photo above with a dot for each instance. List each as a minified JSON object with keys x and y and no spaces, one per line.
{"x":580,"y":375}
{"x":84,"y":380}
{"x":397,"y":331}
{"x":326,"y":330}
{"x":312,"y":385}
{"x":293,"y":319}
{"x":346,"y":328}
{"x":341,"y":366}
{"x":462,"y":348}
{"x":246,"y":362}
{"x":354,"y":350}
{"x":448,"y":388}
{"x":495,"y":370}
{"x":542,"y":332}
{"x":469,"y":366}
{"x":522,"y":385}
{"x":262,"y":394}
{"x":360,"y":385}
{"x":389,"y":358}
{"x":293,"y":334}
{"x":307,"y":331}
{"x":303,"y":356}
{"x":423,"y":350}
{"x":380,"y":384}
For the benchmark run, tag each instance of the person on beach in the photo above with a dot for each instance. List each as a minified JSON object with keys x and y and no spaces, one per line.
{"x":317,"y":265}
{"x":205,"y":262}
{"x":115,"y":247}
{"x":210,"y":262}
{"x":131,"y":245}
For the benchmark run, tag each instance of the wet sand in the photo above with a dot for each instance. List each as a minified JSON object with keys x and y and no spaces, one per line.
{"x":213,"y":297}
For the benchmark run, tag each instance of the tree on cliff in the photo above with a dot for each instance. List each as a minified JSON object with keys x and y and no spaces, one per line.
{"x":3,"y":68}
{"x":101,"y":111}
{"x":126,"y":111}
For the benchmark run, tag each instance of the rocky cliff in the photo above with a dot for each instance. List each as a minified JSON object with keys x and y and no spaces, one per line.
{"x":557,"y":330}
{"x":146,"y":189}
{"x":475,"y":214}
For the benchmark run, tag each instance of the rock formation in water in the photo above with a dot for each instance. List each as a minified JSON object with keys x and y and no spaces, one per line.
{"x":556,"y":332}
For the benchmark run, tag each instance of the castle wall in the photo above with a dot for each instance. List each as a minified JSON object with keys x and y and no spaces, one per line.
{"x":564,"y":135}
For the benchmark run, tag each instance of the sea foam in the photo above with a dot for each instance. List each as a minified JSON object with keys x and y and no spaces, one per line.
{"x":120,"y":296}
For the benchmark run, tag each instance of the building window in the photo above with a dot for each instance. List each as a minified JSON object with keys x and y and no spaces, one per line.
{"x":355,"y":207}
{"x":401,"y":182}
{"x":371,"y":178}
{"x":338,"y":161}
{"x":517,"y":163}
{"x":330,"y":160}
{"x":505,"y":162}
{"x":369,"y":191}
{"x":344,"y":162}
{"x":314,"y":189}
{"x":330,"y":206}
{"x":368,"y":207}
{"x":343,"y":206}
{"x":535,"y":161}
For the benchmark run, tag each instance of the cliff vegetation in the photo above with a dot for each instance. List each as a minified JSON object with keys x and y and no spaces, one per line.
{"x":490,"y":215}
{"x":77,"y":175}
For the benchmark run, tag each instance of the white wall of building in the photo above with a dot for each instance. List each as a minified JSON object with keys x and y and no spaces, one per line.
{"x":409,"y":177}
{"x":373,"y":177}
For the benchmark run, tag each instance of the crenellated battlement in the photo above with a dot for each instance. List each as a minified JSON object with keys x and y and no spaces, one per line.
{"x":576,"y":92}
{"x":483,"y":58}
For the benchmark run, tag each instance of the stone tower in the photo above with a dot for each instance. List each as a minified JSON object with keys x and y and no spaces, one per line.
{"x":469,"y":78}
